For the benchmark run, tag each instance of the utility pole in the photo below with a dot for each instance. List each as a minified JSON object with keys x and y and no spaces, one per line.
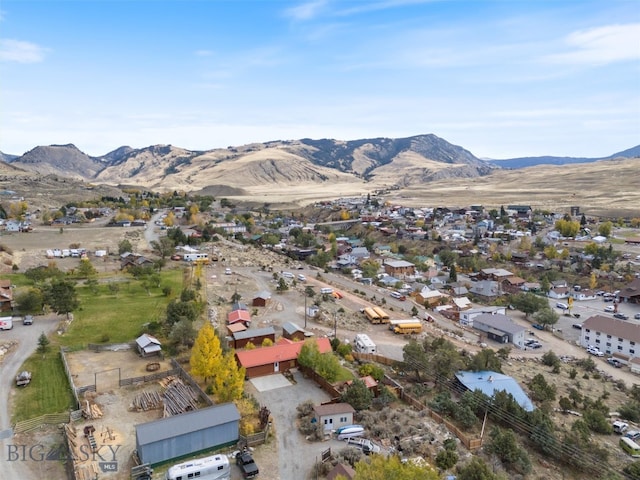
{"x":335,"y":325}
{"x":305,"y":310}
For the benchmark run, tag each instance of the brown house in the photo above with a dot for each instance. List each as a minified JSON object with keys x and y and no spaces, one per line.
{"x":631,"y":292}
{"x":254,"y":336}
{"x":6,"y":296}
{"x":278,"y":358}
{"x":261,"y":299}
{"x":239,"y":316}
{"x":399,"y":268}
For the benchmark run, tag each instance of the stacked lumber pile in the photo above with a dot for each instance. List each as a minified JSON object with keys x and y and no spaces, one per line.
{"x":91,"y":411}
{"x":147,"y":401}
{"x":86,"y":472}
{"x":178,"y":398}
{"x":81,"y":472}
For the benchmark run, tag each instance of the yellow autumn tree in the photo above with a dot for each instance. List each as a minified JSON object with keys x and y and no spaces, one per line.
{"x":18,"y":210}
{"x":228,"y":383}
{"x":206,"y":355}
{"x":344,"y":215}
{"x":169,"y":220}
{"x":593,"y":281}
{"x":379,"y":467}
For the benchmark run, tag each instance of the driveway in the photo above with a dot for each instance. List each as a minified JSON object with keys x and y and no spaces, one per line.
{"x":296,"y":455}
{"x":27,"y":338}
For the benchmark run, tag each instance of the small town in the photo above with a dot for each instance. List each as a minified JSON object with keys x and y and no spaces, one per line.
{"x":174,"y":335}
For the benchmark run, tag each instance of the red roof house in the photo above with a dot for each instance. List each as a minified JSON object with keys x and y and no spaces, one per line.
{"x":275,"y":359}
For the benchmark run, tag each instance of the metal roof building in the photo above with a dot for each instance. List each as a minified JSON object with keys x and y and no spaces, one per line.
{"x":490,"y":382}
{"x":188,"y":433}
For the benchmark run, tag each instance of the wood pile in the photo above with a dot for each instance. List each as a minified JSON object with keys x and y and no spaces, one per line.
{"x":91,"y":411}
{"x":147,"y":401}
{"x":86,"y":472}
{"x":81,"y":472}
{"x":178,"y":397}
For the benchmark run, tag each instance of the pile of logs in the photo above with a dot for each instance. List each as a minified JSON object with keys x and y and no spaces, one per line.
{"x":91,"y":411}
{"x":179,"y":398}
{"x":147,"y":401}
{"x":81,"y":472}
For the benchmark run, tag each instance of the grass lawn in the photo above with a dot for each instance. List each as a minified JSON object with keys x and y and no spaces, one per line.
{"x":49,"y":390}
{"x":103,"y":317}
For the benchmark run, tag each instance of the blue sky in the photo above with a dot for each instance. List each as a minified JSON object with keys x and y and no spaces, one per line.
{"x":500,"y":78}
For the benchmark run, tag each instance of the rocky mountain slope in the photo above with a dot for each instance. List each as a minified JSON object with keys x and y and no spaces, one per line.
{"x":523,"y":162}
{"x":382,"y":162}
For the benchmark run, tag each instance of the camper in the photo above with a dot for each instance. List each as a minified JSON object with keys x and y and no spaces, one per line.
{"x":629,"y":446}
{"x":326,"y":291}
{"x":192,"y":257}
{"x":215,"y":467}
{"x":371,"y":315}
{"x":363,"y":344}
{"x":408,"y":328}
{"x":6,"y":323}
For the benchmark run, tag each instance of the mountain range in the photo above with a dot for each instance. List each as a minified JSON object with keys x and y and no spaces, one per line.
{"x":382,"y":161}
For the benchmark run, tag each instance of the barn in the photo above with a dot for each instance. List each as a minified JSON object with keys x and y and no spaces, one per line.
{"x":261,"y":299}
{"x":188,"y":433}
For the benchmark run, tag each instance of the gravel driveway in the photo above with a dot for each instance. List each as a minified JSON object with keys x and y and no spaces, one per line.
{"x":296,"y":455}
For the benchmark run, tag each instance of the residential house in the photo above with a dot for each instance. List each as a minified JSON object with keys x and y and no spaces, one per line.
{"x":235,"y":328}
{"x":292,"y":332}
{"x":360,"y":253}
{"x":382,"y":249}
{"x":497,"y":274}
{"x":333,"y":415}
{"x":558,"y":292}
{"x":148,"y":345}
{"x":631,"y":292}
{"x":500,"y":328}
{"x":128,"y":260}
{"x":611,"y":335}
{"x":399,"y":268}
{"x":513,"y":284}
{"x":6,"y":295}
{"x":255,"y":336}
{"x":278,"y":358}
{"x":429,"y":297}
{"x":486,"y":288}
{"x":490,"y":383}
{"x":584,"y":294}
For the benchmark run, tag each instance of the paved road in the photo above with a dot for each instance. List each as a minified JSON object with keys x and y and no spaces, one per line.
{"x":27,"y":338}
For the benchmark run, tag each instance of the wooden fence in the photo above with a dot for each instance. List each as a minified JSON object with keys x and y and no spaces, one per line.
{"x":37,"y":422}
{"x":148,"y":378}
{"x":326,"y":386}
{"x":69,"y":377}
{"x":185,"y":377}
{"x":255,"y":439}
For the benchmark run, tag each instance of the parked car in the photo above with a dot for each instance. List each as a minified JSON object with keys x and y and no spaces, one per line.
{"x":609,"y":309}
{"x":637,"y":316}
{"x":562,"y":306}
{"x":615,"y":362}
{"x":621,"y":316}
{"x":577,"y":325}
{"x":608,"y":299}
{"x":537,"y":326}
{"x":633,"y":435}
{"x":594,"y":351}
{"x":27,"y":320}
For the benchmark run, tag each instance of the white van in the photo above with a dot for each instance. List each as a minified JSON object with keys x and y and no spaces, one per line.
{"x":302,"y":278}
{"x":562,"y":306}
{"x":326,"y":290}
{"x":287,"y":275}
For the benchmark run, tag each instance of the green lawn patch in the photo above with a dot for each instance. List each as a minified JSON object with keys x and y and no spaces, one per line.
{"x":49,"y":390}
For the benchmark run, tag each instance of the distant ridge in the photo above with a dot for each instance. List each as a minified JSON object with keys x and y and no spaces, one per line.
{"x":524,"y":162}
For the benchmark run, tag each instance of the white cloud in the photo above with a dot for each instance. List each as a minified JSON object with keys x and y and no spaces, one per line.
{"x":601,"y":45}
{"x":20,"y":51}
{"x":306,"y":11}
{"x":203,"y":53}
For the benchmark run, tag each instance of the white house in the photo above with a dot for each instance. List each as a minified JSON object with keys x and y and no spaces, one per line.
{"x":334,"y":415}
{"x":558,"y":292}
{"x":611,"y":335}
{"x":467,"y":316}
{"x":584,"y":295}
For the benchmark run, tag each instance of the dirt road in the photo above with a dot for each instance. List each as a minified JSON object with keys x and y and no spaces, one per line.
{"x":27,"y":338}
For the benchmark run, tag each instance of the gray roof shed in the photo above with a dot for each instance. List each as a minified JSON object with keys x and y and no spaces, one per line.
{"x":188,"y":433}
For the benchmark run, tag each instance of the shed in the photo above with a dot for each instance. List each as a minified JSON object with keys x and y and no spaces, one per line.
{"x":261,"y":299}
{"x":341,"y":470}
{"x":334,"y":415}
{"x":292,"y":331}
{"x":188,"y":433}
{"x":255,"y":336}
{"x":148,"y":345}
{"x":489,"y":382}
{"x":237,"y":316}
{"x":236,"y":327}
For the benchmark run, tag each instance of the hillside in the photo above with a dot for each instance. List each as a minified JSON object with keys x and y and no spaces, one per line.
{"x":523,"y":162}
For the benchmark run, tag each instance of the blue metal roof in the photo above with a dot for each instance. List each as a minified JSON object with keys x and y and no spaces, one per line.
{"x":490,"y":382}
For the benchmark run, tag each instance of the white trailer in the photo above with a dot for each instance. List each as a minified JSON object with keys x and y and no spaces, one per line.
{"x":192,"y":257}
{"x":6,"y":323}
{"x":363,"y":344}
{"x":215,"y":467}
